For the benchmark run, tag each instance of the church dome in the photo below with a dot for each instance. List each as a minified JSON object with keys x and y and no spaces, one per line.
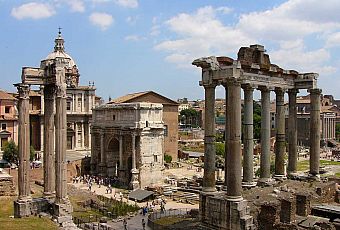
{"x":59,"y":52}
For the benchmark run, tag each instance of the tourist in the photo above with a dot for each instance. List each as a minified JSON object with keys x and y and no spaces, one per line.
{"x":143,"y":223}
{"x":125,"y":224}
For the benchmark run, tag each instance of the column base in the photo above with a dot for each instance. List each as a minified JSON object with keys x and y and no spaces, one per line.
{"x":314,"y":177}
{"x":49,"y":195}
{"x":248,"y":184}
{"x":265,"y":182}
{"x":209,"y":189}
{"x":280,"y":177}
{"x":134,"y":183}
{"x":224,"y":188}
{"x":292,"y":175}
{"x":234,"y":198}
{"x":22,"y":207}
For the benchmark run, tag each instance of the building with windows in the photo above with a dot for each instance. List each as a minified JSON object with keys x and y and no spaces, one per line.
{"x":128,"y":143}
{"x":8,"y":118}
{"x":170,"y":117}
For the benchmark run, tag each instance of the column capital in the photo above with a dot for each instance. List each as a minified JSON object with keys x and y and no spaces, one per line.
{"x":23,"y":90}
{"x":279,"y":91}
{"x":293,"y":91}
{"x":264,"y":88}
{"x":210,"y":85}
{"x":315,"y":91}
{"x":248,"y":87}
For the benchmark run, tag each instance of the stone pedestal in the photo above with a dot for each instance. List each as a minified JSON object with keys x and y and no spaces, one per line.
{"x":134,"y":183}
{"x":31,"y":207}
{"x":22,"y":208}
{"x":221,"y":213}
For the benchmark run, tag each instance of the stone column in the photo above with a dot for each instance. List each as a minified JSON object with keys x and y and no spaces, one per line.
{"x":248,"y":138}
{"x":49,"y":167}
{"x":226,"y":137}
{"x":75,"y":135}
{"x":292,"y":133}
{"x":265,"y":136}
{"x":280,"y":144}
{"x":121,"y":166}
{"x":82,"y":135}
{"x":209,"y":139}
{"x":60,"y":147}
{"x":93,"y":153}
{"x":314,"y":131}
{"x":89,"y":141}
{"x":234,"y":164}
{"x":24,"y":143}
{"x":102,"y":154}
{"x":134,"y":171}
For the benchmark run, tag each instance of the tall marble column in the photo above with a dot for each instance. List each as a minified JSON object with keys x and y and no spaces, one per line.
{"x":121,"y":166}
{"x":234,"y":191}
{"x":60,"y":147}
{"x":248,"y":138}
{"x":24,"y":142}
{"x":280,"y":144}
{"x":209,"y":183}
{"x":102,"y":154}
{"x":314,"y":131}
{"x":292,"y":133}
{"x":134,"y":171}
{"x":265,"y":136}
{"x":226,"y":137}
{"x":49,"y":167}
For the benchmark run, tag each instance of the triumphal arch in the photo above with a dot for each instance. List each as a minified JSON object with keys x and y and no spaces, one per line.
{"x":55,"y":74}
{"x":251,"y":70}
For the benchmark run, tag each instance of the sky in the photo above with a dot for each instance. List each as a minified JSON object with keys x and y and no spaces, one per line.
{"x":128,"y":46}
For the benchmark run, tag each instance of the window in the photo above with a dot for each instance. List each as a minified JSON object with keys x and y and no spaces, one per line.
{"x":68,"y":106}
{"x":166,"y":130}
{"x":80,"y":101}
{"x":113,"y":117}
{"x":155,"y":158}
{"x":3,"y":126}
{"x":146,"y":124}
{"x":7,"y":109}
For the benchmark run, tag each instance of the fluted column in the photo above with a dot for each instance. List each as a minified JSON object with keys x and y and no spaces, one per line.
{"x":280,"y":144}
{"x":314,"y":131}
{"x":209,"y":183}
{"x":102,"y":154}
{"x":234,"y":165}
{"x":292,"y":132}
{"x":121,"y":152}
{"x":248,"y":127}
{"x":226,"y":137}
{"x":24,"y":142}
{"x":265,"y":136}
{"x":134,"y":184}
{"x":60,"y":147}
{"x":49,"y":167}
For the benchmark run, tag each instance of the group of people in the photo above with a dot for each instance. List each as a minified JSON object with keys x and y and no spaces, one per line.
{"x":125,"y":224}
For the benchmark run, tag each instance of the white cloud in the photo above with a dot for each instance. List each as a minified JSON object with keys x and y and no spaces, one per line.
{"x":33,"y":10}
{"x":76,"y":5}
{"x":201,"y":34}
{"x":286,"y":30}
{"x":127,"y":3}
{"x":134,"y":38}
{"x":132,"y":20}
{"x":224,"y":9}
{"x":102,"y":20}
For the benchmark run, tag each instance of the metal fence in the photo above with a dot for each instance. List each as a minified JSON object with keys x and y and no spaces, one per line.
{"x":183,"y":213}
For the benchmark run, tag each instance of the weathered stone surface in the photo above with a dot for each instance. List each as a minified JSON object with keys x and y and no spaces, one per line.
{"x":268,"y":216}
{"x":303,"y":204}
{"x":7,"y":187}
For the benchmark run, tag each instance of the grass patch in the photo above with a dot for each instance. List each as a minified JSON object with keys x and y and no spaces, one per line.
{"x":171,"y":220}
{"x":304,"y":165}
{"x":28,"y":223}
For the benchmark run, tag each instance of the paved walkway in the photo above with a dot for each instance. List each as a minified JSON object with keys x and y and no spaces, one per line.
{"x":134,"y":223}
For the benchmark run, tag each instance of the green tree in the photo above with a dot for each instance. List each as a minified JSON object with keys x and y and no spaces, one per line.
{"x":337,"y":130}
{"x":189,"y":117}
{"x":167,"y":158}
{"x":219,"y":147}
{"x":10,"y":152}
{"x":32,"y":153}
{"x":257,"y":120}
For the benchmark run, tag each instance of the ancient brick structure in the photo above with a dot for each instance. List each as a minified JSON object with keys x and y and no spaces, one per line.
{"x":303,"y":204}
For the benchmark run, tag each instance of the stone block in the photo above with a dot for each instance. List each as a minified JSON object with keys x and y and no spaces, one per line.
{"x":303,"y":204}
{"x":268,"y":216}
{"x":288,"y":210}
{"x":7,"y":187}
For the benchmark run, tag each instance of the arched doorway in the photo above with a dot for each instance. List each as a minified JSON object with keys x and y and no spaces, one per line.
{"x":112,"y":157}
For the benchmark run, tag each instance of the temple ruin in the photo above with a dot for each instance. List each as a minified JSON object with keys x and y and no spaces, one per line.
{"x":252,"y":70}
{"x":57,"y":72}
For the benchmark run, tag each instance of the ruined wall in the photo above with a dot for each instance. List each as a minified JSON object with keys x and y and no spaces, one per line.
{"x":7,"y":187}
